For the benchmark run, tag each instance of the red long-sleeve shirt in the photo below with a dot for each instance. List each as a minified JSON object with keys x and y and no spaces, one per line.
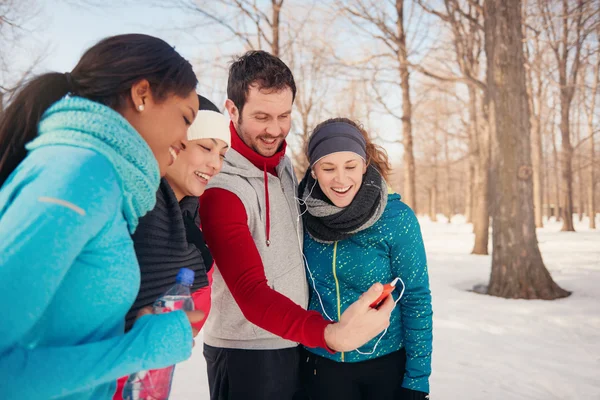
{"x":225,"y":227}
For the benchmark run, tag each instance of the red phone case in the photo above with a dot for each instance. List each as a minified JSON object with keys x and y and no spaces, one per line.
{"x":388,"y":288}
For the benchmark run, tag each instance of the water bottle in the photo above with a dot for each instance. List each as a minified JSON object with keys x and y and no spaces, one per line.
{"x":156,"y":384}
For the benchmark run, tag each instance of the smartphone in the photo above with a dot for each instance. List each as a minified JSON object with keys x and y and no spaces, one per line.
{"x":388,"y":288}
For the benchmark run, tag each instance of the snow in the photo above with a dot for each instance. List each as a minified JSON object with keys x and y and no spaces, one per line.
{"x":491,"y":348}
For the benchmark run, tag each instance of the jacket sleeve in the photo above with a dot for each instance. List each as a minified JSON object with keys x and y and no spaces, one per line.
{"x":225,"y":227}
{"x":409,"y":262}
{"x":43,"y":229}
{"x":202,"y":300}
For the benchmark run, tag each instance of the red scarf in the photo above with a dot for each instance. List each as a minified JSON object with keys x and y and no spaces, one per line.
{"x":260,"y":162}
{"x":266,"y":164}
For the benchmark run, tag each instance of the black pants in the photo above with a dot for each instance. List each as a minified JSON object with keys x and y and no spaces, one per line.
{"x":235,"y":374}
{"x":378,"y":379}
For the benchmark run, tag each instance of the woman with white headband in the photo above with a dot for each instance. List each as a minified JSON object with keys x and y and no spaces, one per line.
{"x":169,"y":237}
{"x":357,"y":232}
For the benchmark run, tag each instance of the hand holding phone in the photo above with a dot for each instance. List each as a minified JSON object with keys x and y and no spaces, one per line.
{"x":388,"y":288}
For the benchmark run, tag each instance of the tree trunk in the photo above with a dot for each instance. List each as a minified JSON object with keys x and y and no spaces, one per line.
{"x":275,"y":26}
{"x":469,"y":191}
{"x":481,"y":214}
{"x":590,"y":132}
{"x":591,"y":182}
{"x":480,"y":158}
{"x":410,"y":193}
{"x":518,"y":270}
{"x":548,"y":209}
{"x":566,"y":161}
{"x":449,"y":208}
{"x":535,"y":95}
{"x":473,"y":157}
{"x":537,"y":157}
{"x":557,"y":208}
{"x":433,"y":190}
{"x":433,"y":204}
{"x":580,"y":190}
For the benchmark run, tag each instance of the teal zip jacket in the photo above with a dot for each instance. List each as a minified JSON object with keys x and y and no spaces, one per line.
{"x":342,"y":271}
{"x":68,"y":270}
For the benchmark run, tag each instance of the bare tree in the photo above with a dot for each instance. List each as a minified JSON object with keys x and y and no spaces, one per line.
{"x":566,"y":39}
{"x":536,"y":90}
{"x":465,"y":20}
{"x":518,"y":270}
{"x":557,"y":165}
{"x":589,"y":110}
{"x":15,"y":15}
{"x":314,"y":77}
{"x":257,"y":26}
{"x":387,"y":26}
{"x":449,"y":203}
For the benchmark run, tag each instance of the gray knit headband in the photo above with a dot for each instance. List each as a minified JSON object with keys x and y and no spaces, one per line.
{"x":333,"y":138}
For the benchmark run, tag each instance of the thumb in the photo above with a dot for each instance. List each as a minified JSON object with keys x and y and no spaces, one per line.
{"x":372,"y":294}
{"x":195,"y":316}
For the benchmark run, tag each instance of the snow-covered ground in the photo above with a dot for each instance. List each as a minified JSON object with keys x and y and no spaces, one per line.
{"x":491,"y":348}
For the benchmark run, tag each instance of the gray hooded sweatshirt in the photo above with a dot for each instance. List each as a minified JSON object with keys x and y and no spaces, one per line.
{"x":282,"y":258}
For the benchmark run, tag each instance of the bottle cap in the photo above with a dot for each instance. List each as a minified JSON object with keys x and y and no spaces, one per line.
{"x":185,"y":276}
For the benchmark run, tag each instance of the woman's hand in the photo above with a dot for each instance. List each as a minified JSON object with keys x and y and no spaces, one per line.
{"x":193,"y":317}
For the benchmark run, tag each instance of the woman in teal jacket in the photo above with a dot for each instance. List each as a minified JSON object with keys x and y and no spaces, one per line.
{"x":358,"y":232}
{"x":81,"y":158}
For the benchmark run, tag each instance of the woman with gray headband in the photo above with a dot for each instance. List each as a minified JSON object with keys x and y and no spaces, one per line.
{"x":357,"y":231}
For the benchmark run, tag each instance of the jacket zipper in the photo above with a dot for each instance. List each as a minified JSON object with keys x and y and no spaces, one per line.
{"x":337,"y":286}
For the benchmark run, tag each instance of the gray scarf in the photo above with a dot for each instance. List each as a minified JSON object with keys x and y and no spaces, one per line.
{"x":327,"y":223}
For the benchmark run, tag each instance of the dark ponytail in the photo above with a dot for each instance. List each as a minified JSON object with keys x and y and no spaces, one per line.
{"x":19,"y":121}
{"x":105,"y":74}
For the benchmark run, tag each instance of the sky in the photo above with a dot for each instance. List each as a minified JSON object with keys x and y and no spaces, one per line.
{"x":71,"y":29}
{"x":66,"y":28}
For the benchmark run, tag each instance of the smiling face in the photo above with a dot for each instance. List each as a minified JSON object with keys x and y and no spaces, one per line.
{"x":196,"y":165}
{"x":265,"y":120}
{"x":339,"y":176}
{"x":162,"y":124}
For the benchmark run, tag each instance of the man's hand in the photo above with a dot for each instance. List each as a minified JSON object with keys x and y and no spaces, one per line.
{"x":360,"y":323}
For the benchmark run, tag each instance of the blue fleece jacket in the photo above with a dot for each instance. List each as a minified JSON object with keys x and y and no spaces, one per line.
{"x":69,"y":274}
{"x":342,"y":271}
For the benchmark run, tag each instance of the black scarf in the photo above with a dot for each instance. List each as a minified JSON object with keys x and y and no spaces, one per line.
{"x":168,"y":238}
{"x":327,"y":223}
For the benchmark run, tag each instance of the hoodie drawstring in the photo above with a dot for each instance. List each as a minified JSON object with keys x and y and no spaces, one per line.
{"x":268,"y":217}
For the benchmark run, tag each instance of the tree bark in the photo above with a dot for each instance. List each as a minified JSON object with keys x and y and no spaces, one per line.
{"x":566,"y":164}
{"x":469,"y":191}
{"x":518,"y":270}
{"x":591,"y":181}
{"x":590,"y":131}
{"x":548,"y":208}
{"x":480,"y":158}
{"x":433,"y":192}
{"x":410,"y":193}
{"x":449,"y":207}
{"x":433,"y":204}
{"x":557,"y":208}
{"x":535,"y":93}
{"x":581,"y":198}
{"x":275,"y":26}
